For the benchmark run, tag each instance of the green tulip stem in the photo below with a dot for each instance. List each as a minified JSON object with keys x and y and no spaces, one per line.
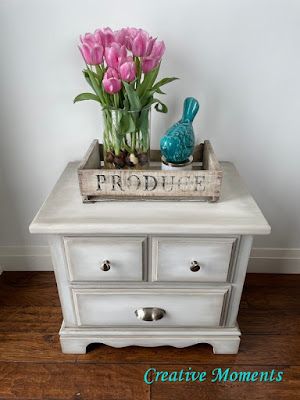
{"x":116,"y":100}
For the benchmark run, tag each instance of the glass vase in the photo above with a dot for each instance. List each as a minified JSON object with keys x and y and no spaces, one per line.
{"x":126,"y":138}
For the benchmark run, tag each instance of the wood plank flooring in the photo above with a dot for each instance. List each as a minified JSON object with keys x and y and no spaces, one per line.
{"x":33,"y":367}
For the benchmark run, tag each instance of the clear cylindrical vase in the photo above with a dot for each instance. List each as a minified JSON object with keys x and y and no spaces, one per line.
{"x":126,"y":138}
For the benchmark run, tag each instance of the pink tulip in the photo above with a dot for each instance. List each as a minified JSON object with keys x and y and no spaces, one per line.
{"x":148,"y":64}
{"x":130,"y":35}
{"x":112,"y":57}
{"x":111,"y":81}
{"x":150,"y":45}
{"x":128,"y":71}
{"x":158,"y":50}
{"x":99,"y":37}
{"x":105,"y":36}
{"x":139,"y":44}
{"x":153,"y":59}
{"x":121,"y":36}
{"x":122,"y":54}
{"x":89,"y":39}
{"x":115,"y":55}
{"x":132,"y":32}
{"x":92,"y":54}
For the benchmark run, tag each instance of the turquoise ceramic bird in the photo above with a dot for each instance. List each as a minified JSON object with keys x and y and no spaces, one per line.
{"x":177,"y":145}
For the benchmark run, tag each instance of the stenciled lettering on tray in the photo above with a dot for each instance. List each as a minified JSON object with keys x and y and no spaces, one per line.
{"x":149,"y":183}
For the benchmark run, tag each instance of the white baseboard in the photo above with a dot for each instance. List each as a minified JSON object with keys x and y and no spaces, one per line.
{"x":25,"y":258}
{"x":275,"y":261}
{"x":37,"y":258}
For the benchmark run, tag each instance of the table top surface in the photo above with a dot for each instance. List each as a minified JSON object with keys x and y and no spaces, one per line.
{"x":235,"y":213}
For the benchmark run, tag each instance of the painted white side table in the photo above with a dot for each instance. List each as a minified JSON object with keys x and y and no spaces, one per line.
{"x":150,"y":273}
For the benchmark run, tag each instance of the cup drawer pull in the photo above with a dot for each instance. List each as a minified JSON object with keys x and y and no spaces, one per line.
{"x":195,"y":267}
{"x":150,"y":313}
{"x":105,"y":266}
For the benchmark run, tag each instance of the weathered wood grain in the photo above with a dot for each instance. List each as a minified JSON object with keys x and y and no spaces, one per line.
{"x":28,"y":289}
{"x":151,"y":183}
{"x":41,"y":319}
{"x":92,"y":156}
{"x":288,"y":389}
{"x":72,"y":381}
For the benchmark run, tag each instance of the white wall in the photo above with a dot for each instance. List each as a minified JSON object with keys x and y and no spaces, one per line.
{"x":240,"y":58}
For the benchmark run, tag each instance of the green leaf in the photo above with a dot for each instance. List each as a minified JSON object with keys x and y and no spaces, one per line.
{"x":148,"y":96}
{"x":134,"y":100}
{"x":95,"y":85}
{"x":146,"y":99}
{"x":138,"y":68}
{"x":100,"y":73}
{"x":160,"y":106}
{"x":148,"y":81}
{"x":86,"y":96}
{"x":159,"y":91}
{"x":162,"y":82}
{"x":87,"y":78}
{"x":144,"y":122}
{"x":126,"y":102}
{"x":127,"y":124}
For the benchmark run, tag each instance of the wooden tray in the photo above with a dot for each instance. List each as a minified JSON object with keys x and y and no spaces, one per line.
{"x":202,"y":183}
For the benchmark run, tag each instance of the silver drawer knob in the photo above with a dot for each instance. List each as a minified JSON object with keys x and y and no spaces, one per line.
{"x":105,"y":265}
{"x":150,"y":313}
{"x":195,"y":267}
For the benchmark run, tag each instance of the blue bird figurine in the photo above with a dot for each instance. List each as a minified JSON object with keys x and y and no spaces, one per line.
{"x":177,"y":145}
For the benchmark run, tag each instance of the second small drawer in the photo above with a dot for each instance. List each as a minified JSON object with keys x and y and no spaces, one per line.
{"x":191,"y":259}
{"x":105,"y":258}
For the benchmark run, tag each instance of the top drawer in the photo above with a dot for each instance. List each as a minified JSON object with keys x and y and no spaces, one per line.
{"x":105,"y":258}
{"x":191,"y":259}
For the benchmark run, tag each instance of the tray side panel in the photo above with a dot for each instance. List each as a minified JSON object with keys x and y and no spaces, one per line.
{"x":149,"y":184}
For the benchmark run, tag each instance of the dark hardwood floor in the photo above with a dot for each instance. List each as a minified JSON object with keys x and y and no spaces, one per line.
{"x":33,"y":367}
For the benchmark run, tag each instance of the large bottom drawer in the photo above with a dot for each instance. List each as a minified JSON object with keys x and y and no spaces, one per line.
{"x":142,"y":307}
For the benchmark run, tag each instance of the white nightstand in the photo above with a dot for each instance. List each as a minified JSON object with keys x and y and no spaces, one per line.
{"x":150,"y":273}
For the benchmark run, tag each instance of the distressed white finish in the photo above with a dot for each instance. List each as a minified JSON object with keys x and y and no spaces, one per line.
{"x":172,"y":257}
{"x":125,"y":256}
{"x":223,"y":340}
{"x":150,"y":246}
{"x":117,"y":307}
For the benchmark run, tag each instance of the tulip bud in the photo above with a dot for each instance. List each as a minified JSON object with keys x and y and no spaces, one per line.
{"x":158,"y":50}
{"x":107,"y":36}
{"x":132,"y":32}
{"x":127,"y":71}
{"x":111,"y":81}
{"x":93,"y":55}
{"x":148,"y":64}
{"x":99,"y":37}
{"x":111,"y":56}
{"x":150,"y":44}
{"x":88,"y":39}
{"x":120,"y":36}
{"x":153,"y":59}
{"x":139,"y":44}
{"x":122,"y":54}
